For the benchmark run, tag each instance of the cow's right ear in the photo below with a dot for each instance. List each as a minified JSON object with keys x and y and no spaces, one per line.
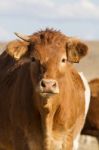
{"x":75,"y":50}
{"x":17,"y":49}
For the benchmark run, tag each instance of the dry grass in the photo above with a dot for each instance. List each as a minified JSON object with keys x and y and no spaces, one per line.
{"x":2,"y":46}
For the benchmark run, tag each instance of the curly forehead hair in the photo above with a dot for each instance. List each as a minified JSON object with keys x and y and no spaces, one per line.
{"x":49,"y":36}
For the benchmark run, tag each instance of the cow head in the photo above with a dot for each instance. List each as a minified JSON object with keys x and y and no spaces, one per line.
{"x":50,"y":55}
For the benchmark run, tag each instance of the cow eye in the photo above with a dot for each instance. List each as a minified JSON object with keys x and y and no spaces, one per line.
{"x":33,"y":59}
{"x":63,"y":60}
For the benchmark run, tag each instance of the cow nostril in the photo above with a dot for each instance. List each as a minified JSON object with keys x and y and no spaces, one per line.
{"x":48,"y":84}
{"x":54,"y":85}
{"x":43,"y":84}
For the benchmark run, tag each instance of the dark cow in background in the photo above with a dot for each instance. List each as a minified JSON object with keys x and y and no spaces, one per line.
{"x":92,"y":120}
{"x":42,"y":96}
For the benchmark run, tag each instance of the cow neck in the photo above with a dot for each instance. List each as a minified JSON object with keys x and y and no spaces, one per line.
{"x":47,"y":115}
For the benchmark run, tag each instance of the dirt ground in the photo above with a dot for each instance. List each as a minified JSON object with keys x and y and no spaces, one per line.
{"x":90,"y":67}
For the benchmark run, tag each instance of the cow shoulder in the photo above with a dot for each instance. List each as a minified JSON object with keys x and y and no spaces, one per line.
{"x":87,"y":92}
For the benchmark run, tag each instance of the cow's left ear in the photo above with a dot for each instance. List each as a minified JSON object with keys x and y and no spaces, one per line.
{"x":75,"y":50}
{"x":17,"y":49}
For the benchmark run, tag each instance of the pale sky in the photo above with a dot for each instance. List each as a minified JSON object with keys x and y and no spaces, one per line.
{"x":78,"y":18}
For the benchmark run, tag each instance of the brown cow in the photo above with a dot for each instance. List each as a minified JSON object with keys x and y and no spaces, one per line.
{"x":92,"y":121}
{"x":42,"y":96}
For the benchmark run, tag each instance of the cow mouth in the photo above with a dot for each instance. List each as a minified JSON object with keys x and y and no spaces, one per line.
{"x":48,"y":94}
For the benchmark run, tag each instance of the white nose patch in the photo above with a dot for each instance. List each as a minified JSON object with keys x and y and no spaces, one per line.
{"x":87,"y":92}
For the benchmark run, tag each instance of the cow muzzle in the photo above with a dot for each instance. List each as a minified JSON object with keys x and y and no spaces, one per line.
{"x":49,"y":87}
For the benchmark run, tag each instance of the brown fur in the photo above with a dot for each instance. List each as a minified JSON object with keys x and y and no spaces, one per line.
{"x":29,"y":121}
{"x":92,"y":121}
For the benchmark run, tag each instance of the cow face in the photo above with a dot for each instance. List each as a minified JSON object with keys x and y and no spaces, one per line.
{"x":51,"y":55}
{"x":47,"y":68}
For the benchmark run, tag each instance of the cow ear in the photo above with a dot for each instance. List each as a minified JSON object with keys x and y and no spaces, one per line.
{"x":75,"y":50}
{"x":17,"y":49}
